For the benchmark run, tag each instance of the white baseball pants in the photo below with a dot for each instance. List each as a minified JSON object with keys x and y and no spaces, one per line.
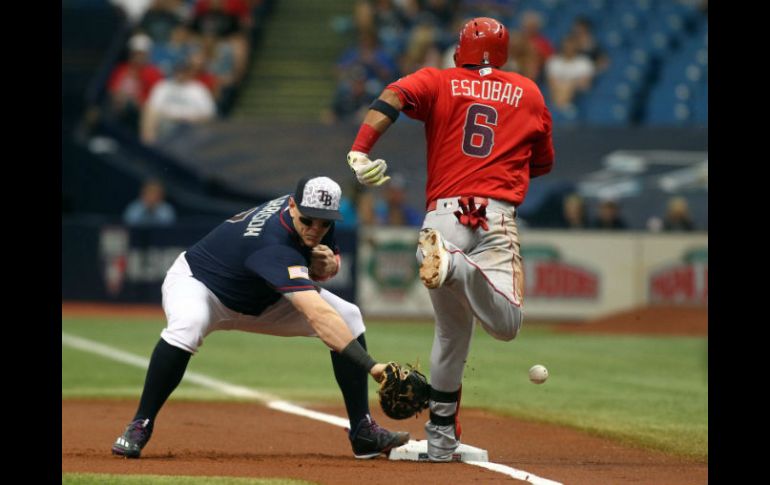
{"x":193,"y":312}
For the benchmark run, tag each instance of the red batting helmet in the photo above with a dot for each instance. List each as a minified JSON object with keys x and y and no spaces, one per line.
{"x":483,"y":41}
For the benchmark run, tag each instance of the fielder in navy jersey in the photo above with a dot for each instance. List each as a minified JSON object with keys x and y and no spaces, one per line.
{"x":257,"y":272}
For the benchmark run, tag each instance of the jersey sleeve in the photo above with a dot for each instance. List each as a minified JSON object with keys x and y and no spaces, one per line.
{"x":417,"y":92}
{"x":542,"y":151}
{"x":284,"y":268}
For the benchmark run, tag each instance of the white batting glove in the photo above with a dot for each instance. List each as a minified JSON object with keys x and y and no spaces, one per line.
{"x":368,"y":172}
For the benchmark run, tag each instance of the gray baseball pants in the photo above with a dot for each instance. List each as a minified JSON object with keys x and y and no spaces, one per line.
{"x":484,"y":283}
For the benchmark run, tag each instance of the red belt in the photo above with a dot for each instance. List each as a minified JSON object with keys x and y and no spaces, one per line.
{"x":478,"y":201}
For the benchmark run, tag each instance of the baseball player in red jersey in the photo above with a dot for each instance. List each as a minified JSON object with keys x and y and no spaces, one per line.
{"x":488,"y":133}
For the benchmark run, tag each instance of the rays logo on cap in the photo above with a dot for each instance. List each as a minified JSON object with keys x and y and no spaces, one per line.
{"x":319,"y":197}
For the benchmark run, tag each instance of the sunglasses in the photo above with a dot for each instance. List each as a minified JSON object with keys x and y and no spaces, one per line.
{"x":309,"y":222}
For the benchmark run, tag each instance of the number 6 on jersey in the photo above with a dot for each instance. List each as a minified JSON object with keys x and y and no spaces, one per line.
{"x":478,"y":137}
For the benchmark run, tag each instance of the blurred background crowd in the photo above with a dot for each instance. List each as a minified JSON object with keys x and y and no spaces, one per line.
{"x":175,"y":94}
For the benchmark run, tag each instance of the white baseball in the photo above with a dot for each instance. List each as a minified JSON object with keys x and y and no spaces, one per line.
{"x":538,"y":374}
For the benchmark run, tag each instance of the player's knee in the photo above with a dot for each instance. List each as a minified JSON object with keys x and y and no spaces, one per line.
{"x":518,"y":318}
{"x":507,"y":334}
{"x":510,"y":329}
{"x":187,"y":329}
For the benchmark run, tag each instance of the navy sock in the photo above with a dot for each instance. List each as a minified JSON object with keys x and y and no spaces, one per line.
{"x":167,"y":367}
{"x":353,"y":382}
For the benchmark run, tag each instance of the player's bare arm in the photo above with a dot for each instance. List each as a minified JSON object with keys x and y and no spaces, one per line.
{"x":330,"y":327}
{"x":322,"y":317}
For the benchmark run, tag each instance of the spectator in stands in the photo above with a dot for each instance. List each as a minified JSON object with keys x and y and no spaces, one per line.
{"x":522,"y":57}
{"x":531,"y":23}
{"x":166,"y":55}
{"x":582,"y":31}
{"x":568,"y":73}
{"x":220,"y":62}
{"x":608,"y":217}
{"x":351,"y":99}
{"x":574,"y":215}
{"x":421,"y":50}
{"x":379,"y":67}
{"x":150,"y":209}
{"x":438,"y":13}
{"x":198,"y":63}
{"x":448,"y":58}
{"x":358,"y":208}
{"x":394,"y":210}
{"x":161,"y":18}
{"x":362,"y":72}
{"x":678,"y":216}
{"x":363,"y":16}
{"x":175,"y":103}
{"x":497,"y":9}
{"x":392,"y":25}
{"x":130,"y":83}
{"x":229,"y":21}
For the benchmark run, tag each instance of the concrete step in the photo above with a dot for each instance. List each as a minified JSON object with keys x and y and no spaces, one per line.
{"x":292,"y":75}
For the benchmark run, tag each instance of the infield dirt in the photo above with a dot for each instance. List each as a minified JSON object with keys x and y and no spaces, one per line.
{"x":250,"y":440}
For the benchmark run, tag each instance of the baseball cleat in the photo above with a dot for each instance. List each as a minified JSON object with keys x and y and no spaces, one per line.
{"x":442,"y":441}
{"x":435,"y":259}
{"x":131,"y":442}
{"x":370,"y":439}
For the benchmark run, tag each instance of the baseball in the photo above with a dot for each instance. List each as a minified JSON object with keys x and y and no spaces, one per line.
{"x":538,"y":374}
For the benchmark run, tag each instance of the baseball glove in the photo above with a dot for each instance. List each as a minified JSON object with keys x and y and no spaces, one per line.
{"x":403,"y":392}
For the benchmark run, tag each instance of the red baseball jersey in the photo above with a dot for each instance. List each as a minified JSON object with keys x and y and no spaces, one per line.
{"x":488,"y":131}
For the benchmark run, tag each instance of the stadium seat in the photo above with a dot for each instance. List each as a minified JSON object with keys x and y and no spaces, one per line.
{"x":664,"y":108}
{"x":606,"y":110}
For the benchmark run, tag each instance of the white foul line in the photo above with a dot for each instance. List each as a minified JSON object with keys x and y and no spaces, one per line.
{"x":271,"y":401}
{"x":513,"y":473}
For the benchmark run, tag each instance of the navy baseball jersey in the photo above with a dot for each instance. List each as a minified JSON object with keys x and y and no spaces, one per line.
{"x":251,"y":259}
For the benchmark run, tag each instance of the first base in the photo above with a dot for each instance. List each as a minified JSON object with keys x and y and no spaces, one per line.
{"x":418,"y":451}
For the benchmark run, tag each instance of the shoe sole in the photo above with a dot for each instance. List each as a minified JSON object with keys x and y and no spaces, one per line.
{"x":402,"y":440}
{"x":125,"y":454}
{"x":430,"y":269}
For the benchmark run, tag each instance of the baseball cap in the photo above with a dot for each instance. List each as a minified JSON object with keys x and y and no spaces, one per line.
{"x":319,"y":197}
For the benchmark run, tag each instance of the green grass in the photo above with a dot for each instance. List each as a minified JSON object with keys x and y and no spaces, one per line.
{"x":103,"y":479}
{"x":648,"y":391}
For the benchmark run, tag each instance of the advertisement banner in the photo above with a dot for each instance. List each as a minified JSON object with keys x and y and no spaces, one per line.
{"x":388,"y":280}
{"x":568,"y":275}
{"x":577,"y":275}
{"x":676,"y":270}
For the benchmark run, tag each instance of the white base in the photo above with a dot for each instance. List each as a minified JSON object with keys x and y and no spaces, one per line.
{"x":418,"y":451}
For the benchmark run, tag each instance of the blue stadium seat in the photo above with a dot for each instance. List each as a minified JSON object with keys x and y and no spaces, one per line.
{"x":611,"y":38}
{"x":664,"y":108}
{"x":595,"y":10}
{"x":656,"y":42}
{"x":562,"y":117}
{"x":701,"y":104}
{"x":605,"y":110}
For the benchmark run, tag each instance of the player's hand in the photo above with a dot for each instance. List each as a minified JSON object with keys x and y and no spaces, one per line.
{"x":323,"y":263}
{"x":378,"y":372}
{"x":368,"y":172}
